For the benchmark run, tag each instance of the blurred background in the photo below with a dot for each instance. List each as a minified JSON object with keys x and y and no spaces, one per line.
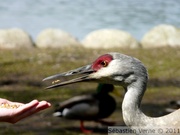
{"x":22,"y":70}
{"x":81,"y":17}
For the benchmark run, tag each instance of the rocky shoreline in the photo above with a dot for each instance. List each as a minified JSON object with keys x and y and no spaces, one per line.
{"x":159,"y":36}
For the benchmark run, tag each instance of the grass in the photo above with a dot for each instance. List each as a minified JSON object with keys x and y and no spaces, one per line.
{"x":22,"y":71}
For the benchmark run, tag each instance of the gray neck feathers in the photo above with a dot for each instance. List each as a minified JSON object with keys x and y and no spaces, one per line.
{"x":132,"y":114}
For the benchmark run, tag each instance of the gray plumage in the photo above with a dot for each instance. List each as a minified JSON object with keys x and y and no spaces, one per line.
{"x":135,"y":88}
{"x":131,"y":74}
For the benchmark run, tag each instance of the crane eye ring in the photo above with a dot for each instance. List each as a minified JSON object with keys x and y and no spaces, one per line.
{"x":104,"y":63}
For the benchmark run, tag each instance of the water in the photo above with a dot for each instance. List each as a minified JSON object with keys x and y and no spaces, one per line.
{"x":80,"y":17}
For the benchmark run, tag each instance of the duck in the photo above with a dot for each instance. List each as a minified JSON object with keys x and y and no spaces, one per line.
{"x":173,"y":106}
{"x":89,"y":107}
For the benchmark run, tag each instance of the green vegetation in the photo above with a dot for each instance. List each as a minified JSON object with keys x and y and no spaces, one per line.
{"x":22,"y":71}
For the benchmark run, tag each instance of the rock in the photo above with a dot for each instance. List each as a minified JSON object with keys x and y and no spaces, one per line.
{"x":109,"y":38}
{"x":54,"y":38}
{"x":14,"y":38}
{"x":162,"y":35}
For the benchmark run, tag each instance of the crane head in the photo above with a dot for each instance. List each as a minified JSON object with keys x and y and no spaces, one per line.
{"x":111,"y":68}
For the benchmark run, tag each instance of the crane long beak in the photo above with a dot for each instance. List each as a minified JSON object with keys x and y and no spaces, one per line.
{"x":84,"y":73}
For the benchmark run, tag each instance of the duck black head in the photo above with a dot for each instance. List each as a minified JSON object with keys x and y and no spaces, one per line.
{"x":105,"y":88}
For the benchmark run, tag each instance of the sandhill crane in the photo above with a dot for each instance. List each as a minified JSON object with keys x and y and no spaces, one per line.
{"x":89,"y":107}
{"x":119,"y":69}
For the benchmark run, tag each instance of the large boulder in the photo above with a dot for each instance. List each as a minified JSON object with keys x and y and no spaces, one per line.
{"x":55,"y":38}
{"x":162,"y":35}
{"x":15,"y":38}
{"x":109,"y":38}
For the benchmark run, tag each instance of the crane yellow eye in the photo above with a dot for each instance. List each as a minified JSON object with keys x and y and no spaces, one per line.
{"x":104,"y":63}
